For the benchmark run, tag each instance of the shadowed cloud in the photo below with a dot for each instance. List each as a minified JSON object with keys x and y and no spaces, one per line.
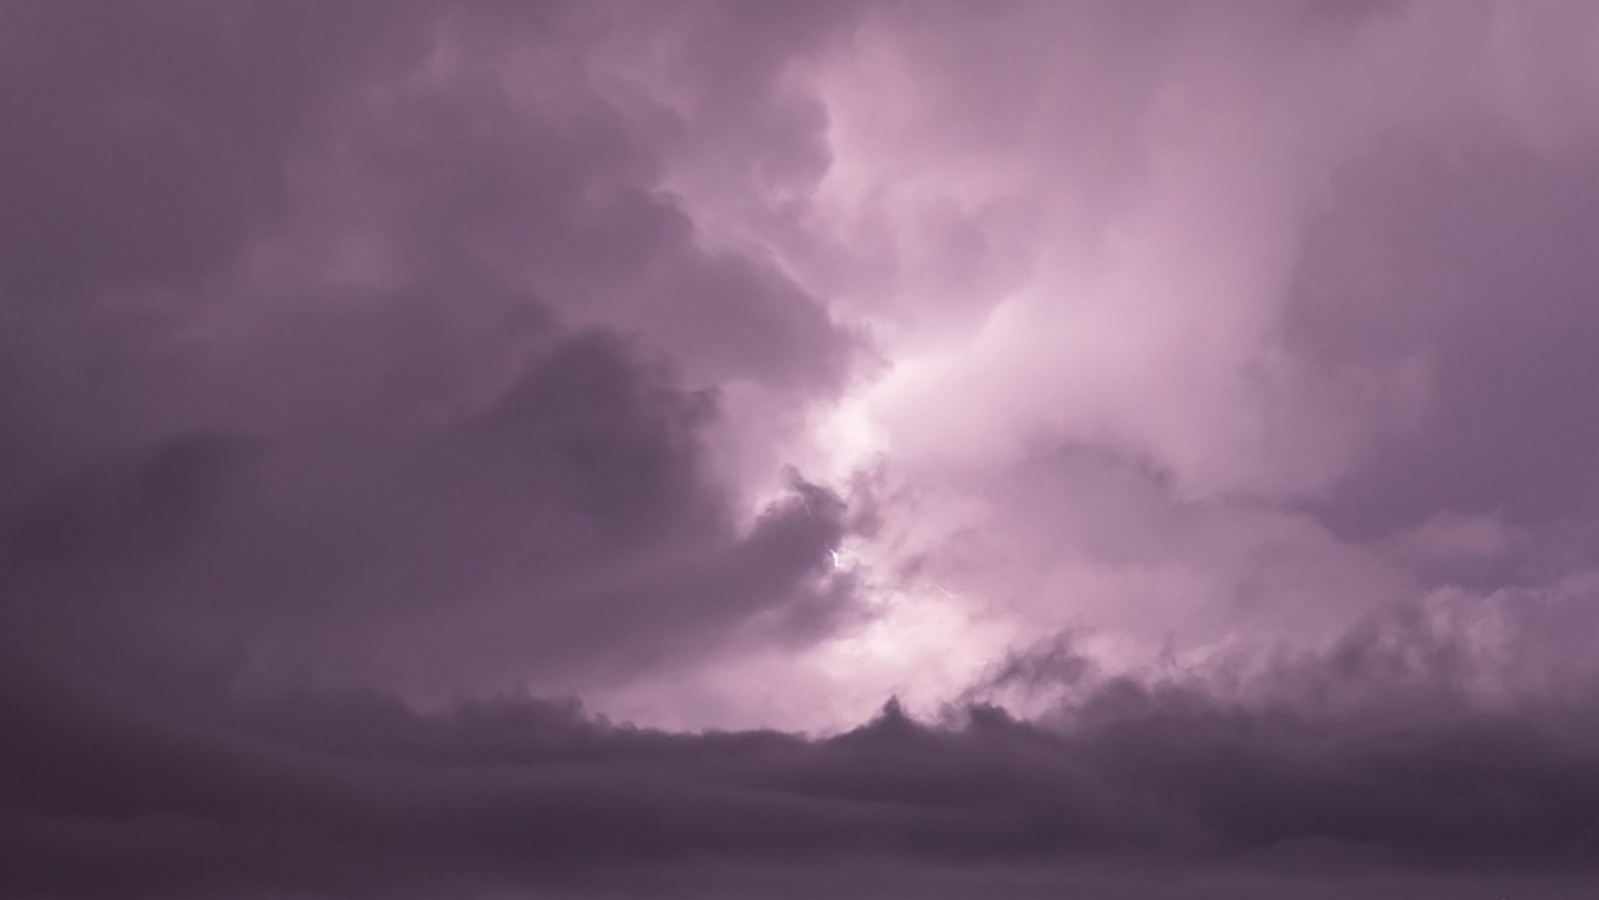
{"x":1180,"y":410}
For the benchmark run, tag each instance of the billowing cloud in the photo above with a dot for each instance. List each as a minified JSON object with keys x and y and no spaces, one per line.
{"x":348,"y":371}
{"x":1370,"y":769}
{"x":1180,"y":410}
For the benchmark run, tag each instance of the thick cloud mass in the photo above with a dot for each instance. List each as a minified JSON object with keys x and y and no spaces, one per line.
{"x":1138,"y":789}
{"x":286,"y":391}
{"x":1181,"y":411}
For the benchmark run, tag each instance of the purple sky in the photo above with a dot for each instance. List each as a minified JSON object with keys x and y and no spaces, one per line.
{"x":1117,"y":449}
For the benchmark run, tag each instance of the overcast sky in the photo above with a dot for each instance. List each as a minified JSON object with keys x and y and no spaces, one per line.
{"x":676,"y":448}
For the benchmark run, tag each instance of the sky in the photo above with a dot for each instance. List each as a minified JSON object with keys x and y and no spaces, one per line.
{"x":744,"y":449}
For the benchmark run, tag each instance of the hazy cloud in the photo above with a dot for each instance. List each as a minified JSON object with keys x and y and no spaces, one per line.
{"x":1181,"y":410}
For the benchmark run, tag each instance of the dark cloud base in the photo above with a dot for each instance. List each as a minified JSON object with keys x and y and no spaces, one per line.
{"x":1133,"y":789}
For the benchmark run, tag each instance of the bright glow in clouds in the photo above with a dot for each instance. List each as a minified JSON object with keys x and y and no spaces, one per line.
{"x":1184,"y":408}
{"x":1083,"y":262}
{"x":1032,"y":289}
{"x":849,"y":439}
{"x":922,"y":644}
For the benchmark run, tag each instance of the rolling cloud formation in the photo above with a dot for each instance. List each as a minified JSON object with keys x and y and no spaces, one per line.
{"x":724,"y":449}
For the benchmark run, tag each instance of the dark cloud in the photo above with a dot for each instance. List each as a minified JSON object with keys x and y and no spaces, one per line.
{"x":571,"y":520}
{"x":150,"y":139}
{"x":343,"y":354}
{"x":1275,"y":790}
{"x":372,"y":370}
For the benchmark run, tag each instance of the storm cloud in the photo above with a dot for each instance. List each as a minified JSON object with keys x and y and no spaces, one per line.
{"x":1367,"y":770}
{"x":776,"y":449}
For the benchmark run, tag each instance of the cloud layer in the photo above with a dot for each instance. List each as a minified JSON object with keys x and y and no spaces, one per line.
{"x":1181,"y":410}
{"x":1364,"y":771}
